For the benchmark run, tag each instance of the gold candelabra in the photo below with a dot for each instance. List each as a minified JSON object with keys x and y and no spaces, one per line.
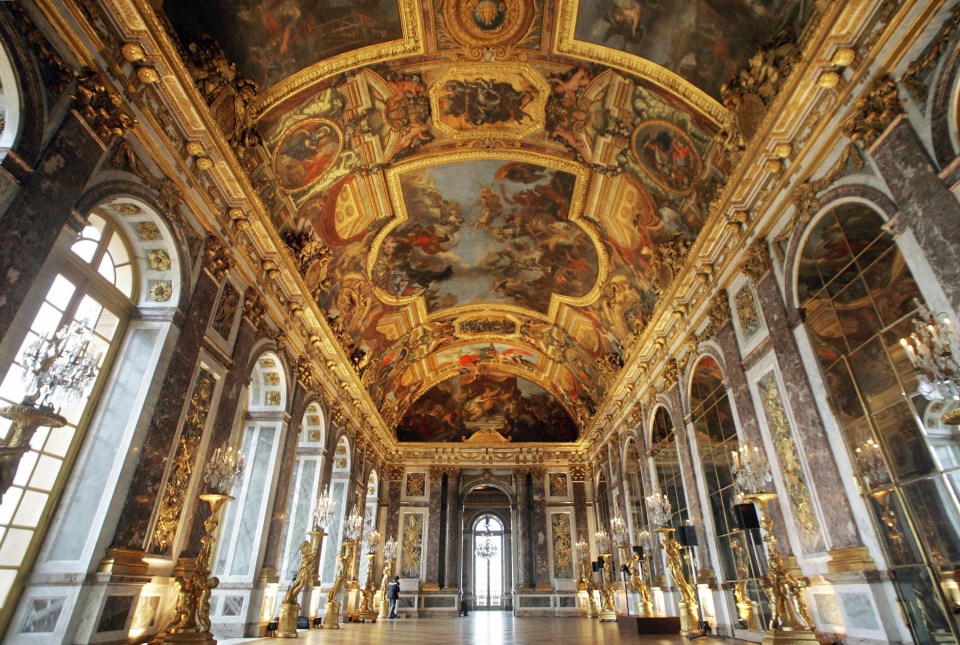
{"x":789,"y":618}
{"x":688,"y":608}
{"x":608,"y":607}
{"x":191,"y":621}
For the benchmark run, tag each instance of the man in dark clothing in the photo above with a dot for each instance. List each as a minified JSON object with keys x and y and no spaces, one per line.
{"x":393,"y":595}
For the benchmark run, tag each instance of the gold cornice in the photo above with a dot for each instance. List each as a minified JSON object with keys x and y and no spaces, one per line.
{"x":411,"y":44}
{"x":564,"y":42}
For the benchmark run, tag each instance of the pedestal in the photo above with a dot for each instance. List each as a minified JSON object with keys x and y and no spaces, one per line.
{"x":631,"y":626}
{"x":287,"y":625}
{"x":331,"y":615}
{"x":787,"y":637}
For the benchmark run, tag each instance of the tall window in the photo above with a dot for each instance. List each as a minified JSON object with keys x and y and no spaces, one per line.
{"x":488,"y":561}
{"x":305,"y":484}
{"x":96,"y":284}
{"x":339,"y":485}
{"x":666,"y":465}
{"x":858,"y":295}
{"x":245,"y":523}
{"x":716,"y":435}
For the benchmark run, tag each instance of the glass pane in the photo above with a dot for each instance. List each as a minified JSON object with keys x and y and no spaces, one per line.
{"x":825,"y":332}
{"x":894,"y":530}
{"x":874,"y":374}
{"x":46,"y":473}
{"x":922,"y":604}
{"x":85,"y":249}
{"x":125,"y":279}
{"x":117,"y":250}
{"x":88,"y":310}
{"x":907,"y":450}
{"x":60,"y":292}
{"x":47,"y":321}
{"x":106,"y":268}
{"x":937,"y":520}
{"x":858,"y":318}
{"x":892,"y":286}
{"x":31,"y":510}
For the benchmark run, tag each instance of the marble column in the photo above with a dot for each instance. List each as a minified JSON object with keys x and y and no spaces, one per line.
{"x":32,"y":223}
{"x":926,"y":205}
{"x":451,"y":580}
{"x":841,"y":531}
{"x":431,"y":550}
{"x":543,"y":579}
{"x":143,"y":496}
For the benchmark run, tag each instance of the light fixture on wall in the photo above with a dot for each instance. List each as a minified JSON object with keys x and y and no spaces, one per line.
{"x":934,"y":351}
{"x":57,"y":369}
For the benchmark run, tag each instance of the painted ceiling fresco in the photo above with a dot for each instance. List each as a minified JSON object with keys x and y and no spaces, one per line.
{"x":704,"y":41}
{"x":486,"y":225}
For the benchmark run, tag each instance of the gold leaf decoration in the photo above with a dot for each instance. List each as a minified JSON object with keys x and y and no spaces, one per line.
{"x":411,"y":552}
{"x":562,"y":548}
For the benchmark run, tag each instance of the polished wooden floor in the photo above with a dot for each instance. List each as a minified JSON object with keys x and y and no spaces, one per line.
{"x":482,"y":628}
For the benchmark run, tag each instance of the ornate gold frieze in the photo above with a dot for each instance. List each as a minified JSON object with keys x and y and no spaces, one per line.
{"x":557,"y":484}
{"x":790,"y":464}
{"x":718,"y":314}
{"x":181,"y":471}
{"x":562,"y":547}
{"x":874,"y":111}
{"x":416,"y":485}
{"x":411,"y":550}
{"x":103,"y":110}
{"x":217,"y":259}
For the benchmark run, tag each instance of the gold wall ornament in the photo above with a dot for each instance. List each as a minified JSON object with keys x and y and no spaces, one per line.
{"x":757,"y":260}
{"x":747,"y":312}
{"x":790,"y":467}
{"x":750,"y":93}
{"x":181,"y":472}
{"x":688,"y":607}
{"x":497,"y":25}
{"x":874,"y":111}
{"x":159,"y":260}
{"x":416,"y":485}
{"x":160,"y":290}
{"x":411,"y":552}
{"x":719,"y":314}
{"x":562,"y":545}
{"x":915,"y":76}
{"x":148,"y":75}
{"x":789,"y":618}
{"x":217,"y":259}
{"x":226,"y":313}
{"x":254,"y":308}
{"x":103,"y":110}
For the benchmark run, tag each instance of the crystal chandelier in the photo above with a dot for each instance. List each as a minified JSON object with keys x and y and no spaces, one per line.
{"x":870,"y":461}
{"x":390,"y":549}
{"x":583,"y":549}
{"x":354,"y":526}
{"x":59,"y":367}
{"x":603,"y":541}
{"x":224,"y":470}
{"x":934,"y":351}
{"x":486,"y":548}
{"x":618,"y":530}
{"x":660,"y":511}
{"x":750,"y":470}
{"x":323,"y":512}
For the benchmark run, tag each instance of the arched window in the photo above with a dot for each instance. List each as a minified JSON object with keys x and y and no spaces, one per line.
{"x":339,"y":489}
{"x":635,"y":495}
{"x":858,"y":295}
{"x":305,"y":485}
{"x":96,"y":285}
{"x":488,"y":561}
{"x":665,"y":457}
{"x":716,"y":434}
{"x":245,"y":524}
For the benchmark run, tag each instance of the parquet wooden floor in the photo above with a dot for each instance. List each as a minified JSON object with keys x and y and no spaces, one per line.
{"x":480,"y":628}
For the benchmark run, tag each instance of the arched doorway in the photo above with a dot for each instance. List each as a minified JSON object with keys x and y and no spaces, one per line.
{"x":487,"y":550}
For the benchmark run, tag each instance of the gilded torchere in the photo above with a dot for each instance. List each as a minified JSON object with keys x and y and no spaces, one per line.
{"x":290,"y":609}
{"x":586,"y":580}
{"x":688,"y":608}
{"x":191,"y":622}
{"x":608,"y":607}
{"x":368,"y":610}
{"x":351,"y":531}
{"x":389,"y":558}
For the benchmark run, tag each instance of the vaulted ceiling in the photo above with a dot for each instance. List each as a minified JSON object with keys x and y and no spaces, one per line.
{"x":481,"y":194}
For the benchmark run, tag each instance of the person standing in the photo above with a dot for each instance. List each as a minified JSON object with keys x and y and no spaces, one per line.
{"x":393,"y":595}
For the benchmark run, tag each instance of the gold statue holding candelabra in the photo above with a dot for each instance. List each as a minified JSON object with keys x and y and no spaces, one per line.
{"x":389,"y":558}
{"x":688,"y":608}
{"x":608,"y":606}
{"x":351,"y":531}
{"x":191,"y":622}
{"x":368,"y":609}
{"x":586,"y":579}
{"x":790,"y":620}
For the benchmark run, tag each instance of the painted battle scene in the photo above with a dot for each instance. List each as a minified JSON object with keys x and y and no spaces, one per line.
{"x":272,"y":39}
{"x":487,"y":231}
{"x":516,"y":408}
{"x":704,"y":41}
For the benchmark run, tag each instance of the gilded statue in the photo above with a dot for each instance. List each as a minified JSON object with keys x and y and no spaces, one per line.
{"x":788,"y":609}
{"x":636,"y":581}
{"x":675,"y":565}
{"x":304,"y":572}
{"x":345,"y":557}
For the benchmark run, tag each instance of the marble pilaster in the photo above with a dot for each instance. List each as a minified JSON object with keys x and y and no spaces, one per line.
{"x":543,"y":577}
{"x":431,"y":549}
{"x":841,"y":530}
{"x":451,"y":579}
{"x":524,"y":542}
{"x":926,"y":205}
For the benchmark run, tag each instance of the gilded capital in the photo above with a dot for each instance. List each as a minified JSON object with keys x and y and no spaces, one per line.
{"x":757,"y":261}
{"x":216,"y":259}
{"x":874,"y":111}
